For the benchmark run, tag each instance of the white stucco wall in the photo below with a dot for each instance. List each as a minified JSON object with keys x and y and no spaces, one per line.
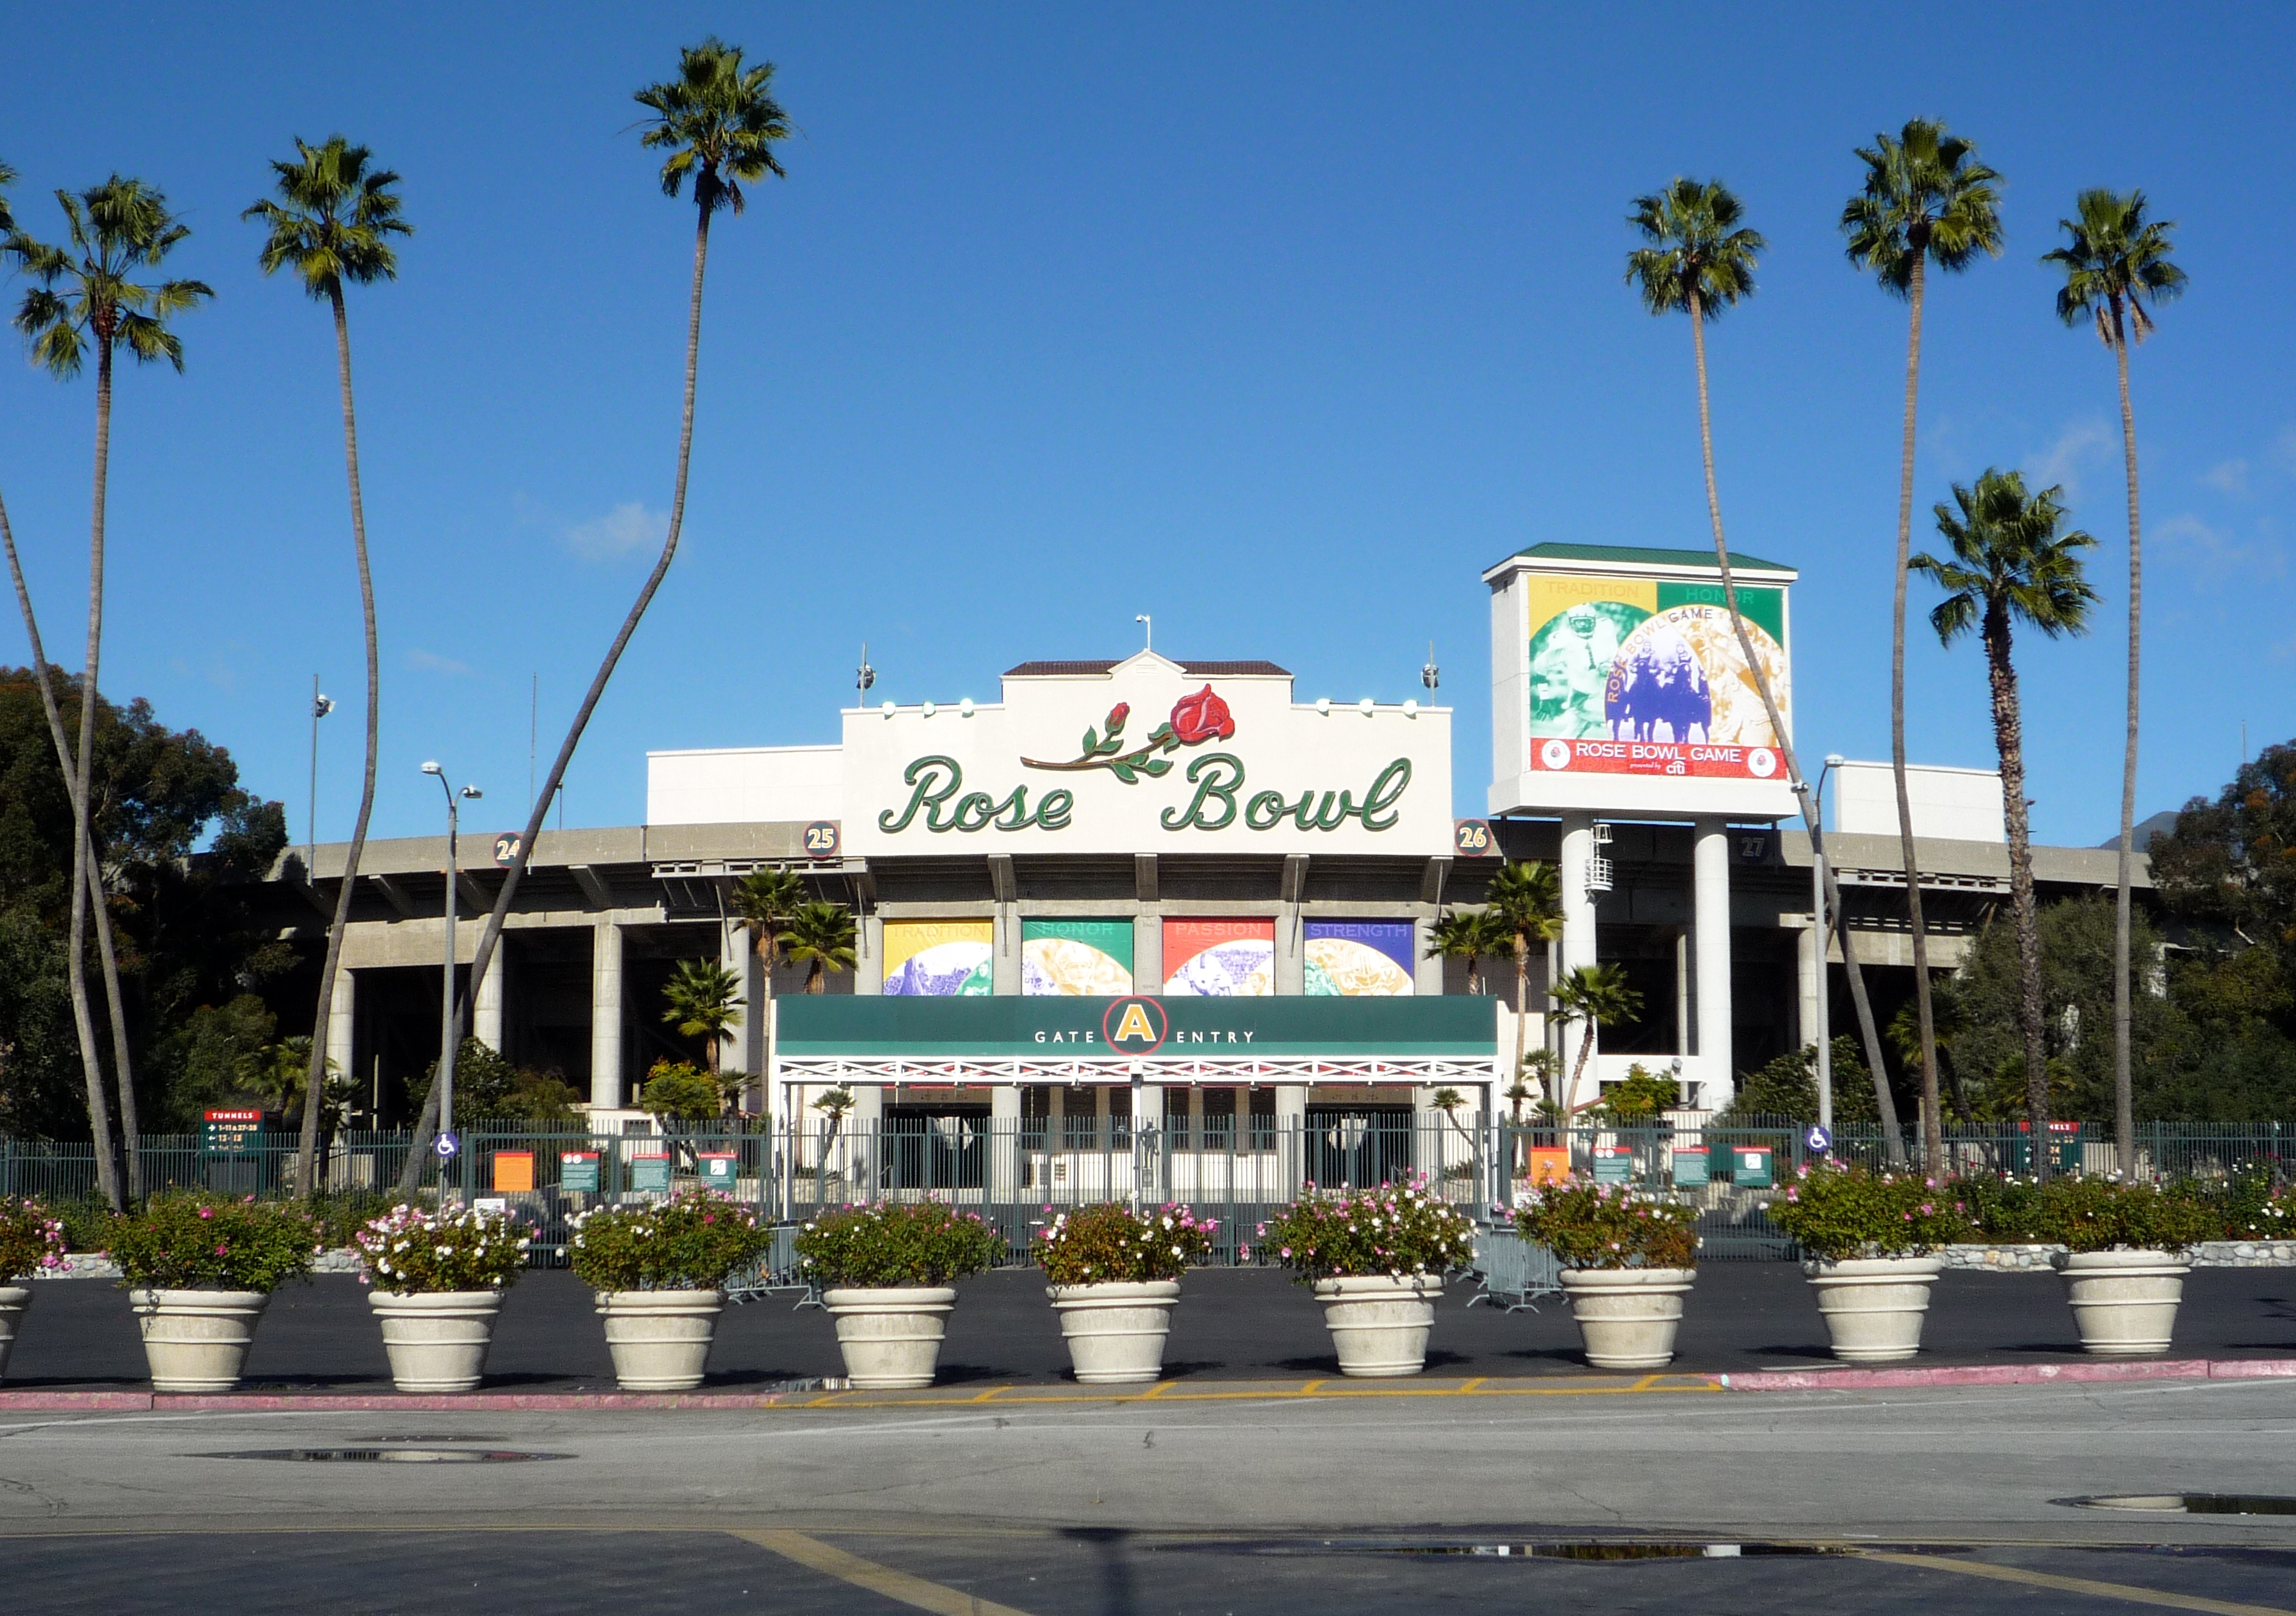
{"x":744,"y":784}
{"x":1949,"y":804}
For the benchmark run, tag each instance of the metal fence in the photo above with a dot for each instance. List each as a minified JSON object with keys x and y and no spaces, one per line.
{"x":1019,"y":1173}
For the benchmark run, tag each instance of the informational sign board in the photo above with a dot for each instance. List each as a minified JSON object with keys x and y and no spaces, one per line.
{"x":1751,"y":1167}
{"x":577,"y":1172}
{"x":231,"y":1133}
{"x":1690,"y":1171}
{"x":513,"y":1170}
{"x":1613,"y":1164}
{"x":650,"y":1173}
{"x":718,"y":1169}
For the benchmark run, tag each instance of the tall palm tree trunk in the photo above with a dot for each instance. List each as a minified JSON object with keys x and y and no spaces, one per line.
{"x":491,"y":932}
{"x":2009,"y":740}
{"x":123,"y":1067}
{"x":1522,"y":1003}
{"x":2124,"y":1111}
{"x":1933,"y":1120}
{"x":1883,"y":1098}
{"x":314,"y":1081}
{"x":69,"y":770}
{"x":99,"y":1110}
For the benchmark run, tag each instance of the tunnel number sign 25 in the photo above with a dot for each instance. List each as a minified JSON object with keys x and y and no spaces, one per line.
{"x":821,"y":839}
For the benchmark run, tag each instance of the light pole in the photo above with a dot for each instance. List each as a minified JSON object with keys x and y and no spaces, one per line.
{"x":446,"y":984}
{"x":321,"y":706}
{"x":1825,"y":1030}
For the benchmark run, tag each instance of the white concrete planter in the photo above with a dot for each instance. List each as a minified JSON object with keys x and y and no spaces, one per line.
{"x":1874,"y":1306}
{"x":1627,"y":1317}
{"x":1116,"y":1330}
{"x":14,"y":1300}
{"x":2125,"y":1302}
{"x":659,"y":1339}
{"x":891,"y":1335}
{"x":436,"y":1340}
{"x":1379,"y":1322}
{"x":197,"y":1340}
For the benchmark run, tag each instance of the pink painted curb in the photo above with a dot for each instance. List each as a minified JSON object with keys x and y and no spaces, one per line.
{"x":2008,"y":1374}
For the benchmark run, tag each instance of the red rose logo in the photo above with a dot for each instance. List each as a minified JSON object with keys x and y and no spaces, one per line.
{"x":1201,"y":717}
{"x":1117,"y":715}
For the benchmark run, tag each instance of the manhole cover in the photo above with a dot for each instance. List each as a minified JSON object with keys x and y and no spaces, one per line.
{"x":2187,"y":1504}
{"x":388,"y":1456}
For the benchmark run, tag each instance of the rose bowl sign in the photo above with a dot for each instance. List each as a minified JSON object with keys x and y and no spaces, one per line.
{"x":1146,"y":757}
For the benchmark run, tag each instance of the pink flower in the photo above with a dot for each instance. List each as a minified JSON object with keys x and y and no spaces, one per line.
{"x":207,"y":1211}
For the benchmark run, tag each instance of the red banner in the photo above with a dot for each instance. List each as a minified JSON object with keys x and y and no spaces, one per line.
{"x":1690,"y":759}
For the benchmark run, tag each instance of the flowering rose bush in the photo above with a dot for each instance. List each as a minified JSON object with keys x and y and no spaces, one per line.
{"x":1839,"y":1213}
{"x":413,"y":1252}
{"x":1397,"y":1229}
{"x":2100,"y":1213}
{"x":2002,"y":1208}
{"x":1099,"y":1244}
{"x":31,"y":1241}
{"x":1609,"y":1225}
{"x":691,"y":1241}
{"x":927,"y":1243}
{"x":1201,"y":717}
{"x":199,"y":1242}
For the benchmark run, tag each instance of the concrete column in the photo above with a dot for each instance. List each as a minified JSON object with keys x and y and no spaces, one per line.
{"x":486,"y":1009}
{"x":1004,"y":1141}
{"x":1148,"y":953}
{"x":1577,"y":935}
{"x":1426,"y":975}
{"x":869,"y":974}
{"x":1290,"y":954}
{"x":1810,"y":968}
{"x":1005,"y":964}
{"x":1711,"y":910}
{"x":1291,"y":1136}
{"x":605,"y":1016}
{"x":745,"y":1051}
{"x":343,"y":1027}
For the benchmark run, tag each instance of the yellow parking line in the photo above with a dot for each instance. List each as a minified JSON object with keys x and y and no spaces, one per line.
{"x":817,"y":1555}
{"x":1170,"y":1392}
{"x":991,"y":1393}
{"x":2074,"y":1584}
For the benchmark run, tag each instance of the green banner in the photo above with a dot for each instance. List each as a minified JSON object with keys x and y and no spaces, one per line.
{"x":1766,"y":608}
{"x":821,"y":1027}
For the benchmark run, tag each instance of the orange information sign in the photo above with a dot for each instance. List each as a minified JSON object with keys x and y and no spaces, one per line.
{"x":1549,"y":1165}
{"x":513,"y":1170}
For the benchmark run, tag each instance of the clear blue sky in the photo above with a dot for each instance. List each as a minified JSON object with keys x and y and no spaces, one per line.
{"x":1280,"y":323}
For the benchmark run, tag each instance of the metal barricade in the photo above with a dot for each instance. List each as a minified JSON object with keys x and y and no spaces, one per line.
{"x":1516,"y":1273}
{"x":779,"y":1270}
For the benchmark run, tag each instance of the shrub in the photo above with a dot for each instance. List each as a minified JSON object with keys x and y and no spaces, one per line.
{"x":1100,"y":1244}
{"x":2246,"y":1205}
{"x":1609,"y":1225}
{"x":1841,"y":1212}
{"x":927,"y":1243}
{"x":693,"y":1242}
{"x":201,"y":1243}
{"x":2104,"y":1214}
{"x":31,"y":1240}
{"x":1398,"y":1229}
{"x":411,"y":1251}
{"x":2001,"y":1210}
{"x":1640,"y":1098}
{"x":679,"y":1088}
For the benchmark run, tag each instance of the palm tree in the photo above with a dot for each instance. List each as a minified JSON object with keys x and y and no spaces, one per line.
{"x":1526,"y":906}
{"x":1927,"y":200}
{"x":1700,"y":261}
{"x":1472,"y":935}
{"x":702,"y":1000}
{"x":719,"y":123}
{"x":763,"y":901}
{"x":819,"y":936}
{"x":1595,"y":997}
{"x":2115,"y":261}
{"x":84,"y":297}
{"x":2010,"y":564}
{"x":332,"y":224}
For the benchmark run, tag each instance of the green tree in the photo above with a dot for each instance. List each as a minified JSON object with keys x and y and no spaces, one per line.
{"x":1926,"y":200}
{"x":702,"y":1000}
{"x":83,"y":297}
{"x":677,"y":1088}
{"x":1787,"y":1087}
{"x":763,"y":901}
{"x":1526,"y":907}
{"x":819,"y":936}
{"x":1700,"y":259}
{"x":2011,"y":563}
{"x":488,"y":1089}
{"x":2228,"y":866}
{"x":2115,"y":261}
{"x":719,"y":123}
{"x":1473,"y":936}
{"x":1641,"y":1096}
{"x":332,"y":224}
{"x":1594,"y":996}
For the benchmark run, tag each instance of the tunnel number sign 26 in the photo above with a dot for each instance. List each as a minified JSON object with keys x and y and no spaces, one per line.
{"x":1471,"y":838}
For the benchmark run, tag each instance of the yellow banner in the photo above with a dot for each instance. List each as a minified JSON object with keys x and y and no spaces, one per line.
{"x":906,"y":939}
{"x":1549,"y":596}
